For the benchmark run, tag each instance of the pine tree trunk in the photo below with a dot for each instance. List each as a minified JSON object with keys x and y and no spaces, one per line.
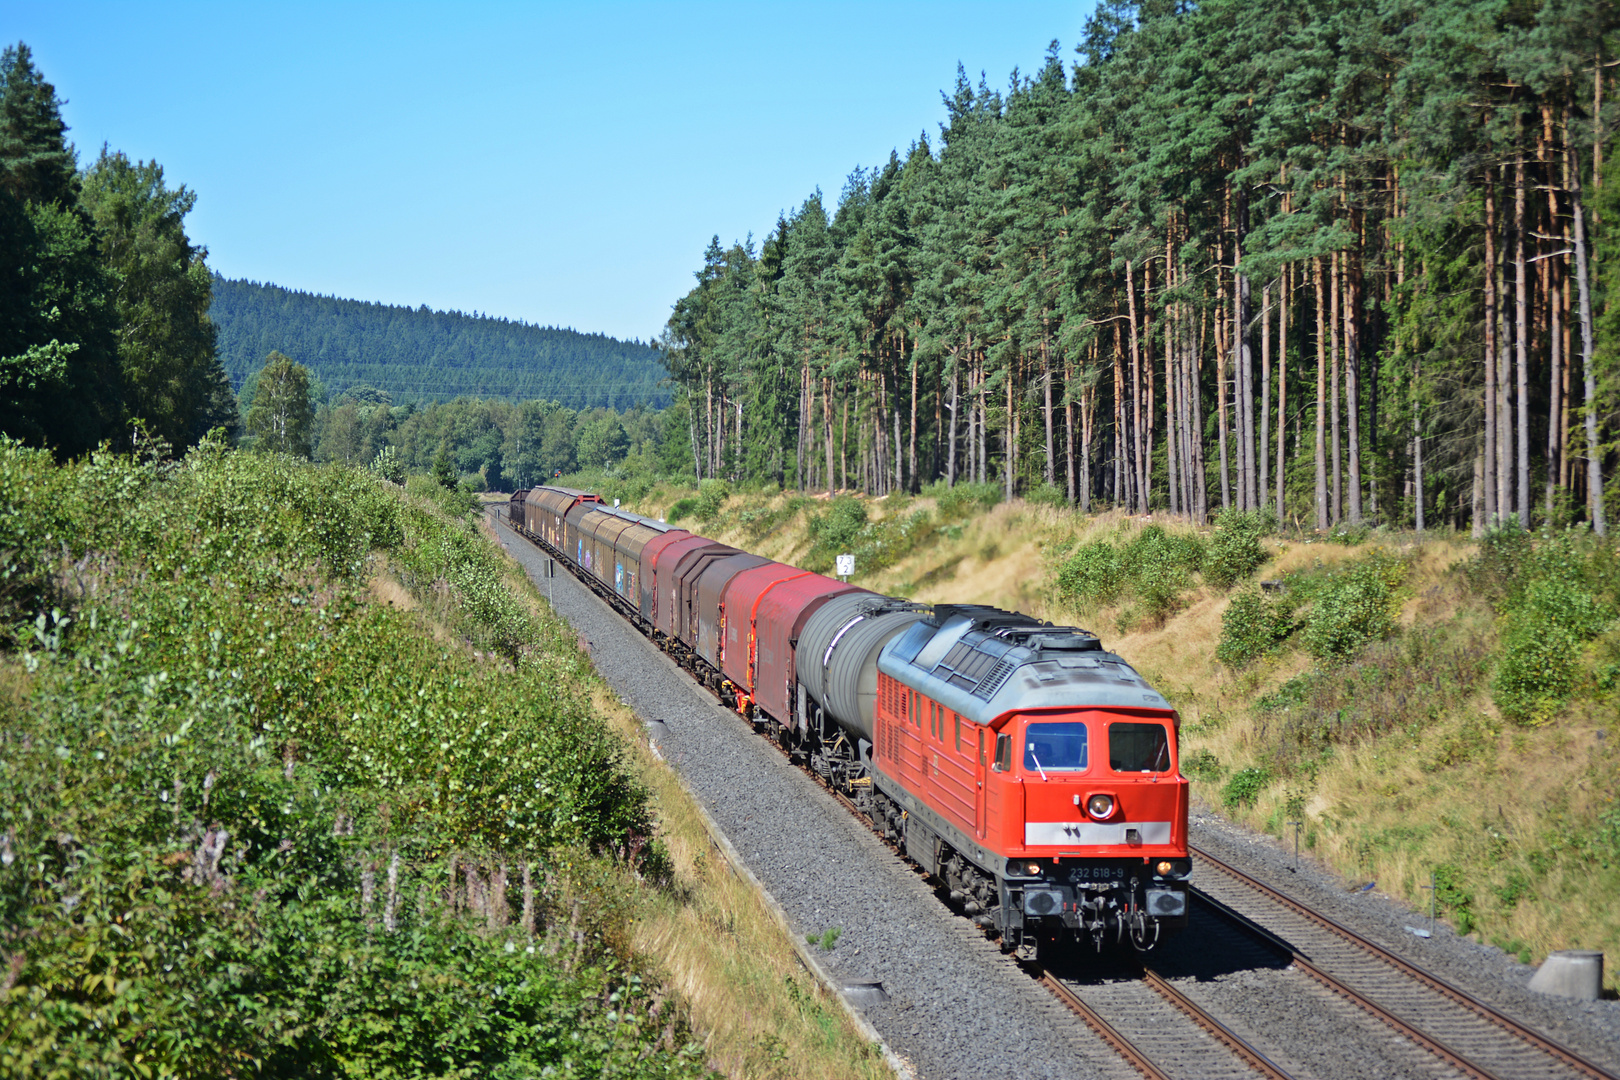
{"x":1594,"y":458}
{"x":1521,"y":343}
{"x":1352,"y":385}
{"x":1337,"y":461}
{"x":1175,"y":401}
{"x":1555,"y":329}
{"x":1282,"y":387}
{"x":1222,"y":401}
{"x":1263,"y":485}
{"x":1243,"y":354}
{"x":1138,"y":471}
{"x":1046,"y":379}
{"x":1194,"y":378}
{"x":1321,"y":400}
{"x":827,"y":418}
{"x":1121,"y":494}
{"x":1488,"y":474}
{"x":950,"y":451}
{"x":1011,"y":436}
{"x":911,"y":464}
{"x":1148,"y":428}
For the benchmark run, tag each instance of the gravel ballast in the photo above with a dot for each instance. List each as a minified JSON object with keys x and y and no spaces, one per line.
{"x":1590,"y":1028}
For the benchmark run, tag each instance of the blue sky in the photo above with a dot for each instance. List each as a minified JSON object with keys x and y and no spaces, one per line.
{"x":563,"y":164}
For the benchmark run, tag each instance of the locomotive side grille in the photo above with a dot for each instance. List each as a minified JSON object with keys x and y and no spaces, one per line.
{"x":992,"y":682}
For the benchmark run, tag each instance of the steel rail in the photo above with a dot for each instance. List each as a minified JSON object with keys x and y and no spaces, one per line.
{"x":1106,"y":1031}
{"x":1349,"y":993}
{"x":1232,"y":1040}
{"x":1426,"y":978}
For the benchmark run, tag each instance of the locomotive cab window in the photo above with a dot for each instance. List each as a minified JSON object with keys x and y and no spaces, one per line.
{"x":1138,"y":748}
{"x":1054,"y":746}
{"x":1003,"y":754}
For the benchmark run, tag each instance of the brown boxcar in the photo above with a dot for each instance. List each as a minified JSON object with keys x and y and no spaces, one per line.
{"x":547,"y":509}
{"x":599,"y":531}
{"x":627,"y":552}
{"x":687,"y":572}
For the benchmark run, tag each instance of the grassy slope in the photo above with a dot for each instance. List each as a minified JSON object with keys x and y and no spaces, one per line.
{"x":1512,"y":817}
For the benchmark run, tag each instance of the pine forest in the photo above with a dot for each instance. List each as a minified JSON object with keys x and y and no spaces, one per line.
{"x":1342,"y":261}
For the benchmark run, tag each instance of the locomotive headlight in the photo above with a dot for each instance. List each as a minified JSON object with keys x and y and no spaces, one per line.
{"x":1033,"y":869}
{"x":1164,"y":867}
{"x":1100,"y":807}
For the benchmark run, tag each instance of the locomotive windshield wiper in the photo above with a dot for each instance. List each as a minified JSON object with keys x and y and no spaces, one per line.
{"x":1037,"y":762}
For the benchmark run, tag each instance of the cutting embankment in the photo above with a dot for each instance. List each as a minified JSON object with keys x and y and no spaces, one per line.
{"x":299,"y":777}
{"x":1432,"y":710}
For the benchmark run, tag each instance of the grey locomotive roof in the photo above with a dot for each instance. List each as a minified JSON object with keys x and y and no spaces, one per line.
{"x":981,"y":662}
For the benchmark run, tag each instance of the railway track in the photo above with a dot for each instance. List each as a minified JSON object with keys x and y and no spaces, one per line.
{"x":1465,"y":1033}
{"x":1146,"y":1021}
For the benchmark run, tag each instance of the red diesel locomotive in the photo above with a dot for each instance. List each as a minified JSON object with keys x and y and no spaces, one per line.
{"x":1031,"y":773}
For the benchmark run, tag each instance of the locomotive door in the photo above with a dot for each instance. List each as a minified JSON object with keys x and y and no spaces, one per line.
{"x":979,"y":770}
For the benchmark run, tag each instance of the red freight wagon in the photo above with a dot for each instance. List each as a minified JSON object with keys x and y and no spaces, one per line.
{"x":647,"y":602}
{"x":741,"y":604}
{"x":710,"y":604}
{"x":667,"y":571}
{"x":782,"y":613}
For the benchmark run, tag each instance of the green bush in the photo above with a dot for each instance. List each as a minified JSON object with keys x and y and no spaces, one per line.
{"x":1048,"y":495}
{"x":1495,"y":571}
{"x":1202,"y":765}
{"x":1354,"y":608}
{"x":1542,"y":638}
{"x":1251,"y":627}
{"x":1452,"y":895}
{"x":682,"y":509}
{"x":712,"y":496}
{"x":1160,"y":565}
{"x":964,"y":499}
{"x":1094,"y":575}
{"x":835,"y":529}
{"x":1245,"y":787}
{"x":1235,"y":551}
{"x":255,"y":822}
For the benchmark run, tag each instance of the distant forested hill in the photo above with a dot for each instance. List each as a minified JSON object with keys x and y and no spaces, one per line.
{"x":416,"y":354}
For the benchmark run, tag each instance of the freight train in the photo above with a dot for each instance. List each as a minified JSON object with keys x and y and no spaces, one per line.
{"x":1031,"y":773}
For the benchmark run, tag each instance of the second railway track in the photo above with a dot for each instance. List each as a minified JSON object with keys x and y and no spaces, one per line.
{"x":1469,"y":1036}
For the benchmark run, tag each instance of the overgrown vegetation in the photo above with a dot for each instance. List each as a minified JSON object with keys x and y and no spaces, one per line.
{"x":290,"y":784}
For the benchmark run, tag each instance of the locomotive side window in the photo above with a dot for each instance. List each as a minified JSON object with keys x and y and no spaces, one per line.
{"x":1003,"y":753}
{"x":958,"y":733}
{"x":981,"y":746}
{"x":1138,"y":748}
{"x":1048,"y":747}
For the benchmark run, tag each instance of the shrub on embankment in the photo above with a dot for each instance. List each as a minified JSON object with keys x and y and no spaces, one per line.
{"x":290,"y":786}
